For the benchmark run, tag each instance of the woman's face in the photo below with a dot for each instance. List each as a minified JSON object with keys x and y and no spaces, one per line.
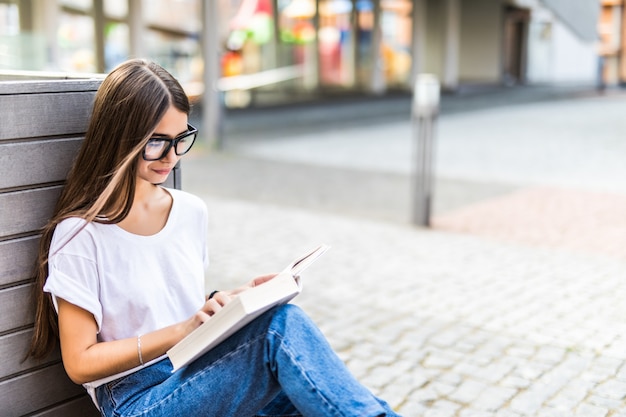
{"x":173,"y":123}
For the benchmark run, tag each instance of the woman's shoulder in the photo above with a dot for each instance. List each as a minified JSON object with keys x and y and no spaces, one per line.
{"x":71,"y":224}
{"x":73,"y":232}
{"x":187,"y":199}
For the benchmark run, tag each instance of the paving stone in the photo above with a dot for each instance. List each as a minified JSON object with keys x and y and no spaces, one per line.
{"x":550,"y":354}
{"x":425,"y":395}
{"x":469,"y":412}
{"x":588,"y":410}
{"x":621,"y":373}
{"x":506,"y":413}
{"x":522,"y":351}
{"x":570,"y":397}
{"x":493,"y":398}
{"x":550,"y":383}
{"x":439,"y":359}
{"x":530,"y":370}
{"x":379,"y":377}
{"x":515,"y":382}
{"x":468,"y":391}
{"x":395,"y":395}
{"x":608,"y":403}
{"x":442,"y":408}
{"x":450,"y":378}
{"x":412,"y":409}
{"x":553,"y":412}
{"x":612,"y":389}
{"x":494,"y":372}
{"x":411,"y":380}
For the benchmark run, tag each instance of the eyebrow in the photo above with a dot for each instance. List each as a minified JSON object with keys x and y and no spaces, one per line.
{"x":163,"y":135}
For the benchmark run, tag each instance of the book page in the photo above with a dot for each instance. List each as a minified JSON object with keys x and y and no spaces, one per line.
{"x":301,"y":264}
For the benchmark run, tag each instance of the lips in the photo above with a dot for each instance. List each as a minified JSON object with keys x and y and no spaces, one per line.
{"x":162,"y":171}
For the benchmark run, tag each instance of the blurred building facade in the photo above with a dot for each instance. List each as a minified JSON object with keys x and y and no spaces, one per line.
{"x":612,"y":31}
{"x":276,"y":51}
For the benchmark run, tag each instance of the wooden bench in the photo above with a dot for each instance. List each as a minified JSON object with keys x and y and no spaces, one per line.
{"x":42,"y":123}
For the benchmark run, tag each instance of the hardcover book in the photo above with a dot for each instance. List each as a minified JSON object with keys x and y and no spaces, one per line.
{"x":241,"y":310}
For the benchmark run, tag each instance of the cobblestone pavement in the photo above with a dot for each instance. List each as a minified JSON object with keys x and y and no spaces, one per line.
{"x":511,"y":306}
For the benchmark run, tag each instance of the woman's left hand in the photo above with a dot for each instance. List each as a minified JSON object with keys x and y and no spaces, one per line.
{"x":220,"y":298}
{"x":251,"y":284}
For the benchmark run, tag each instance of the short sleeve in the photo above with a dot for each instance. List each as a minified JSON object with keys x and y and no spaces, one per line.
{"x":73,"y":275}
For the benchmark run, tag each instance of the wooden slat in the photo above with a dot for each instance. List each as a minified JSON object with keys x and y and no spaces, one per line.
{"x":33,"y":115}
{"x":17,"y":257}
{"x":47,"y":86}
{"x":36,"y":162}
{"x":26,"y":211}
{"x":80,"y":407}
{"x":12,"y":349}
{"x":17,"y":307}
{"x":36,"y":391}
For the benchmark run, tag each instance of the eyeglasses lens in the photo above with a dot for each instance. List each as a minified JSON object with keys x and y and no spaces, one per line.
{"x":184,"y":144}
{"x":154,"y":149}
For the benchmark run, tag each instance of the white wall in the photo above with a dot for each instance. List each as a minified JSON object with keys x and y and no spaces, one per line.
{"x":556,"y":55}
{"x":573,"y":60}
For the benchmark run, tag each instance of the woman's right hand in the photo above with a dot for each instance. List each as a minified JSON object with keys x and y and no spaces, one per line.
{"x":213,"y":305}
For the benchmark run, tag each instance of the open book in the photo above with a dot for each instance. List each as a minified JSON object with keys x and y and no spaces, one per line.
{"x":241,"y":310}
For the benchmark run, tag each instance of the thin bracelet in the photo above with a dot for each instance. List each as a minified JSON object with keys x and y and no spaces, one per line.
{"x":139,"y":350}
{"x":212,"y":294}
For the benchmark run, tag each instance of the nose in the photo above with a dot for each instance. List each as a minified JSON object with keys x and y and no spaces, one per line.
{"x":170,"y":155}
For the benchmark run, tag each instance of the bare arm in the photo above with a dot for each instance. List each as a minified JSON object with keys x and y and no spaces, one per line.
{"x":85,"y":359}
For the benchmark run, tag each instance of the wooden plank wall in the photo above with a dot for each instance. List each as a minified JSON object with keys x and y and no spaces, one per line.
{"x":42,"y":124}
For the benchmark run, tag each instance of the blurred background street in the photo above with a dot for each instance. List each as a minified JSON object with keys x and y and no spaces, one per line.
{"x":510,"y":305}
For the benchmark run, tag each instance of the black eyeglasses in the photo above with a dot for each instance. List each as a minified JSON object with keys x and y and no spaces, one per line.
{"x":158,"y":147}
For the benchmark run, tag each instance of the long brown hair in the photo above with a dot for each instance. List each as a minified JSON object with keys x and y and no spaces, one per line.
{"x":100,"y":187}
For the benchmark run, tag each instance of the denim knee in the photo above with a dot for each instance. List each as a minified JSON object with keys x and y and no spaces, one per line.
{"x":288,"y":312}
{"x":291,"y":317}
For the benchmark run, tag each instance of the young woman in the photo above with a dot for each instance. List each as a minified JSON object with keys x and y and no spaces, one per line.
{"x":120,"y":280}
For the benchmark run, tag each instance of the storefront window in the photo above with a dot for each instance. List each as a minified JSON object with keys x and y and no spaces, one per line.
{"x":9,"y":19}
{"x":116,"y":44}
{"x":396,"y":26}
{"x":76,"y":43}
{"x":10,"y":40}
{"x":336,"y":43}
{"x":172,"y":36}
{"x":249,"y":45}
{"x":297,"y":39}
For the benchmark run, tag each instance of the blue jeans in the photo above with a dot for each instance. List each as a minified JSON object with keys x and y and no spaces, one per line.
{"x":278,"y":365}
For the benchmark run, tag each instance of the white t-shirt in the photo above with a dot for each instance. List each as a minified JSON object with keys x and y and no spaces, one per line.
{"x":132,"y":284}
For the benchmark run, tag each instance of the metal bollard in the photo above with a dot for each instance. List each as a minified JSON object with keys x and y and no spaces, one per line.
{"x":424,"y":115}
